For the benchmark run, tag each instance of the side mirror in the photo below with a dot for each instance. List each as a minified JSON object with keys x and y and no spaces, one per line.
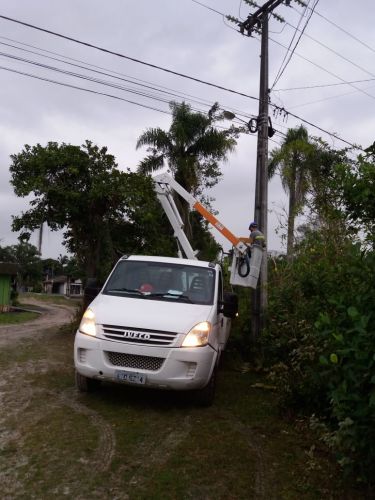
{"x":91,"y":290}
{"x":230,"y":305}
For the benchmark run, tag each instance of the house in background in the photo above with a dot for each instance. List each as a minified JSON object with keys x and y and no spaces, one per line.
{"x":63,"y":285}
{"x":8,"y":273}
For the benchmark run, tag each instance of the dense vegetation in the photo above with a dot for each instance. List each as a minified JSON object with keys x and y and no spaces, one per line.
{"x":320,"y":342}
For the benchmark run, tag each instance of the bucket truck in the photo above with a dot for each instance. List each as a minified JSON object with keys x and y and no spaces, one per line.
{"x":162,"y":322}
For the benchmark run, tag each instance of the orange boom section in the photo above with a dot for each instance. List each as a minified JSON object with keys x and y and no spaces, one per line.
{"x":217,"y":224}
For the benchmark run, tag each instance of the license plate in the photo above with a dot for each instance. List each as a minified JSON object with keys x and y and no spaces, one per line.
{"x":130,"y":377}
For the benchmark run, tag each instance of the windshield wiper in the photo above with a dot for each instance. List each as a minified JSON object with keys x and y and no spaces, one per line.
{"x":126,"y":290}
{"x":170,"y":294}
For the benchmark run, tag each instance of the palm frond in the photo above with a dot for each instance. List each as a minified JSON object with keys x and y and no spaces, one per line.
{"x":150,"y":164}
{"x":155,"y":137}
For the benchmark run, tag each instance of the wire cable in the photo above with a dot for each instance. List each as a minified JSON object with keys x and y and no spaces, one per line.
{"x":128,"y":79}
{"x":306,"y":87}
{"x":82,"y":88}
{"x":123,"y":56}
{"x":341,"y":29}
{"x":178,"y":74}
{"x":296,"y":29}
{"x":324,"y":69}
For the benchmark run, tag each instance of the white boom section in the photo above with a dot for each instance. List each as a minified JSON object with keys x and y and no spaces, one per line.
{"x":164,"y":184}
{"x":165,"y":181}
{"x":165,"y":197}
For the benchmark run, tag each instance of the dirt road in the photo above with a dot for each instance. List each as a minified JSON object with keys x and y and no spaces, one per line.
{"x":52,"y":315}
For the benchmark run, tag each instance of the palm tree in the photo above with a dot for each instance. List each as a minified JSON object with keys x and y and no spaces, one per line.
{"x":295,"y":162}
{"x":192,"y":149}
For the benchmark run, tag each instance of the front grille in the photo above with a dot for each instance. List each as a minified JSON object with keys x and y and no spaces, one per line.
{"x":138,"y":335}
{"x":135,"y":361}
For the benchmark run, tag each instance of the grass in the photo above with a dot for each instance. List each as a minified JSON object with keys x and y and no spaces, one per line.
{"x":129,"y":443}
{"x":11,"y":318}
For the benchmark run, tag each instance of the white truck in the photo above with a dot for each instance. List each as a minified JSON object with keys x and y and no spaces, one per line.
{"x":158,"y":322}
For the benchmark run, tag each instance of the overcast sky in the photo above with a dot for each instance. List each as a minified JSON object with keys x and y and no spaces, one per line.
{"x":337,"y":46}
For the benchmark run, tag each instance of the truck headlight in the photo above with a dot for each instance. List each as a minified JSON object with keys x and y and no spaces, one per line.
{"x":198,"y":335}
{"x":87,"y":324}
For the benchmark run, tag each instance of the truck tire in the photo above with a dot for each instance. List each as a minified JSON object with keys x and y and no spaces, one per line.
{"x":205,"y":397}
{"x":85,"y":384}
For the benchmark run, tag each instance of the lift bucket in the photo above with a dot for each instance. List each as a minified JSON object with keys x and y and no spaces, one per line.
{"x":252,"y":273}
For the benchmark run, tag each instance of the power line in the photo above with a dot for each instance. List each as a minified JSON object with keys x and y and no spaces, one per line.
{"x":324,"y":69}
{"x":342,"y":29}
{"x":128,"y":79}
{"x":323,"y":99}
{"x":209,"y":8}
{"x":171,"y":72}
{"x":197,"y":100}
{"x":133,"y":79}
{"x":82,"y":88}
{"x":91,"y":78}
{"x":333,"y":51}
{"x":282,"y":69}
{"x":306,"y":87}
{"x":311,"y":38}
{"x":123,"y":56}
{"x":170,"y":92}
{"x":100,"y":93}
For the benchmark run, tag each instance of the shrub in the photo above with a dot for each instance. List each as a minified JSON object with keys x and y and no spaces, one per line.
{"x":320,"y":343}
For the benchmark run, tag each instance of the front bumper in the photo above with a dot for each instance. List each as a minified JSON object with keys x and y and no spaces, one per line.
{"x":177,"y":368}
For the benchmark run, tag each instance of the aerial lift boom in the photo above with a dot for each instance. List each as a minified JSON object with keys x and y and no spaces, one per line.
{"x":244,"y":271}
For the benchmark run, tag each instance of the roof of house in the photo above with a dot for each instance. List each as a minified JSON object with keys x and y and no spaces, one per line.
{"x":9,"y":268}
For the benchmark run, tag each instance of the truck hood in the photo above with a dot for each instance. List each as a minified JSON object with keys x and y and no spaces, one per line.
{"x":146,"y":313}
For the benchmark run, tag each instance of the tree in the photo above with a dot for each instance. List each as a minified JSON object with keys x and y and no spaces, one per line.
{"x":356,"y":184}
{"x":81,"y":190}
{"x":294,"y":160}
{"x":192,"y":149}
{"x":30,"y":265}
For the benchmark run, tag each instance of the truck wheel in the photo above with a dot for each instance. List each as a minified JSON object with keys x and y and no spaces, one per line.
{"x":85,"y":384}
{"x":206,"y":396}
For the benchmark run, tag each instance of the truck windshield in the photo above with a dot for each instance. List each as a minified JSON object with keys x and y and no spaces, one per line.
{"x":162,"y":281}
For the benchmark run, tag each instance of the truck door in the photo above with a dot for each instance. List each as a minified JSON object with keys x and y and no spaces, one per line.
{"x":223,"y":322}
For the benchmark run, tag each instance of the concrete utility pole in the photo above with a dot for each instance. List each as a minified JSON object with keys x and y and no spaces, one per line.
{"x":40,"y":239}
{"x":259,"y":21}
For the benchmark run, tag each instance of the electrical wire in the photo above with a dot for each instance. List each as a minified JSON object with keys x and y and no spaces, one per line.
{"x":133,"y":79}
{"x":296,"y":29}
{"x":92,"y":79}
{"x":308,"y":36}
{"x":201,"y":102}
{"x":123,"y":56}
{"x":83,"y":89}
{"x":128,"y":79}
{"x":180,"y":74}
{"x":341,"y":29}
{"x":209,"y":8}
{"x":333,"y":51}
{"x":306,"y":87}
{"x":325,"y":99}
{"x":324,"y":69}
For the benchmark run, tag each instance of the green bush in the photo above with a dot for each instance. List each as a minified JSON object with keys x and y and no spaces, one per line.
{"x":320,"y":343}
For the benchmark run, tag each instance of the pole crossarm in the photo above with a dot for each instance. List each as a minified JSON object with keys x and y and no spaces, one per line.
{"x":254,"y":21}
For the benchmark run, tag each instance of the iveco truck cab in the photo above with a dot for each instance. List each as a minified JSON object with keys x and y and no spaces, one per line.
{"x":158,"y":322}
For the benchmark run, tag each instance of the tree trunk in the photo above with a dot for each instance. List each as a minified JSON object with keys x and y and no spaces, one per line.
{"x":291,"y":215}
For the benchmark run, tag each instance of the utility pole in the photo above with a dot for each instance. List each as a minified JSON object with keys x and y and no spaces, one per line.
{"x":258,"y":21}
{"x":40,"y":239}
